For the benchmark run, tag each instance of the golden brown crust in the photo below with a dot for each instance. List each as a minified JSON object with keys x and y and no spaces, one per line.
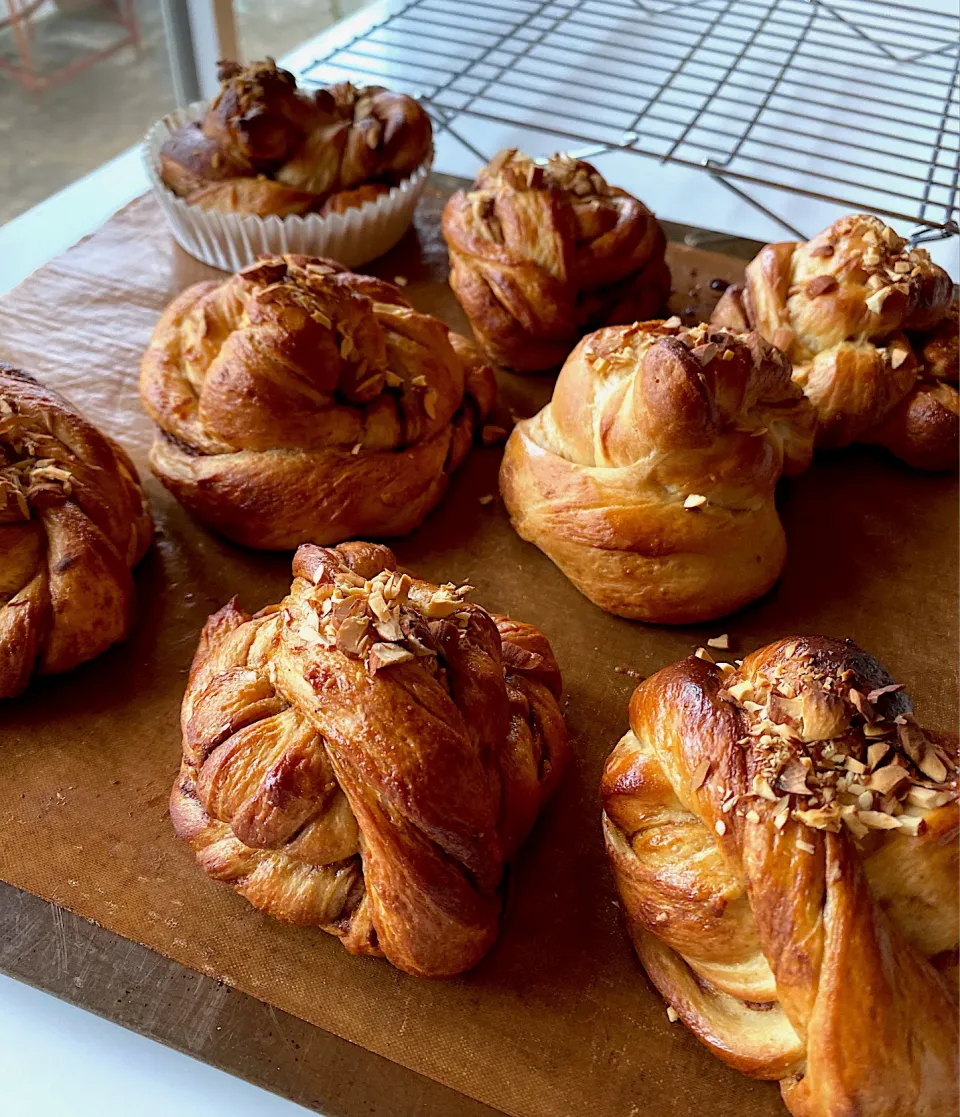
{"x":649,"y":478}
{"x":299,"y":402}
{"x":541,"y":255}
{"x":869,"y":327}
{"x":73,"y":522}
{"x":784,"y":839}
{"x":264,"y":147}
{"x":366,"y":755}
{"x":344,"y":200}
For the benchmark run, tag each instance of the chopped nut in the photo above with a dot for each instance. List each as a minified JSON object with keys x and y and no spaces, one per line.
{"x":351,"y":633}
{"x":897,"y":357}
{"x":824,"y":716}
{"x":445,"y":600}
{"x":877,"y":730}
{"x":877,"y":820}
{"x":752,"y":816}
{"x":806,"y":847}
{"x":695,"y":500}
{"x":911,"y":737}
{"x":912,"y":824}
{"x":661,"y":917}
{"x":876,"y":753}
{"x":875,"y":301}
{"x":722,"y":642}
{"x":430,"y":404}
{"x":699,"y":774}
{"x":851,"y":820}
{"x":888,"y":779}
{"x":902,"y":267}
{"x":720,"y":826}
{"x":357,"y":447}
{"x":491,"y":434}
{"x":821,"y":285}
{"x":880,"y":691}
{"x":400,"y":280}
{"x":853,"y":765}
{"x":672,"y":323}
{"x":487,"y":499}
{"x":784,"y":711}
{"x":820,"y":818}
{"x":926,"y":798}
{"x":793,"y":778}
{"x":932,"y":766}
{"x":387,"y":655}
{"x":761,"y":787}
{"x":672,"y":1014}
{"x":740,"y":690}
{"x":702,"y":653}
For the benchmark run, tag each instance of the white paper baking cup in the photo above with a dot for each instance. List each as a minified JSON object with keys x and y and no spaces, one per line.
{"x":230,"y":241}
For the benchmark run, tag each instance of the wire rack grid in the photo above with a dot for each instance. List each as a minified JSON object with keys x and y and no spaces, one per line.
{"x":854,"y":102}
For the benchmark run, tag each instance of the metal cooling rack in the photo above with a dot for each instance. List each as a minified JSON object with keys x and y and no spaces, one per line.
{"x":854,"y":102}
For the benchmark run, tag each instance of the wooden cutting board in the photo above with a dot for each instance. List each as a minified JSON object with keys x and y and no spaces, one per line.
{"x":559,"y":1019}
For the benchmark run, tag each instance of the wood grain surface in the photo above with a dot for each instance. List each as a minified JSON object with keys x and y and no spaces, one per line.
{"x":559,"y":1019}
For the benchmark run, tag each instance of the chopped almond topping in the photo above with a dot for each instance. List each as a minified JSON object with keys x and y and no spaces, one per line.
{"x":490,"y":434}
{"x":888,"y":779}
{"x":386,"y":655}
{"x":877,"y":820}
{"x":699,"y":774}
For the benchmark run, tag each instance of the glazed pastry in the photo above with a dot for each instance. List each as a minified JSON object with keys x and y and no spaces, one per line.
{"x":365,"y":756}
{"x":868,"y":325}
{"x":297,"y":401}
{"x":649,"y":478}
{"x":267,"y":148}
{"x":540,"y":255}
{"x":73,"y":522}
{"x":784,"y":840}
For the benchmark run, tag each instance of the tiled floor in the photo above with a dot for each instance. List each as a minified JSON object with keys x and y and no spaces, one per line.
{"x":51,"y":139}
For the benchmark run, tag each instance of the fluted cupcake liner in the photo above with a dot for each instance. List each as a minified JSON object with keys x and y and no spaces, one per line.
{"x":231,"y":241}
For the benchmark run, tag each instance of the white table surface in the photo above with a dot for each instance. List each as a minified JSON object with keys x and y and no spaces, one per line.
{"x":57,"y":1059}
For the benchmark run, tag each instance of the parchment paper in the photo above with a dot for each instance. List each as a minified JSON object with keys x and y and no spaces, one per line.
{"x":559,"y":1019}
